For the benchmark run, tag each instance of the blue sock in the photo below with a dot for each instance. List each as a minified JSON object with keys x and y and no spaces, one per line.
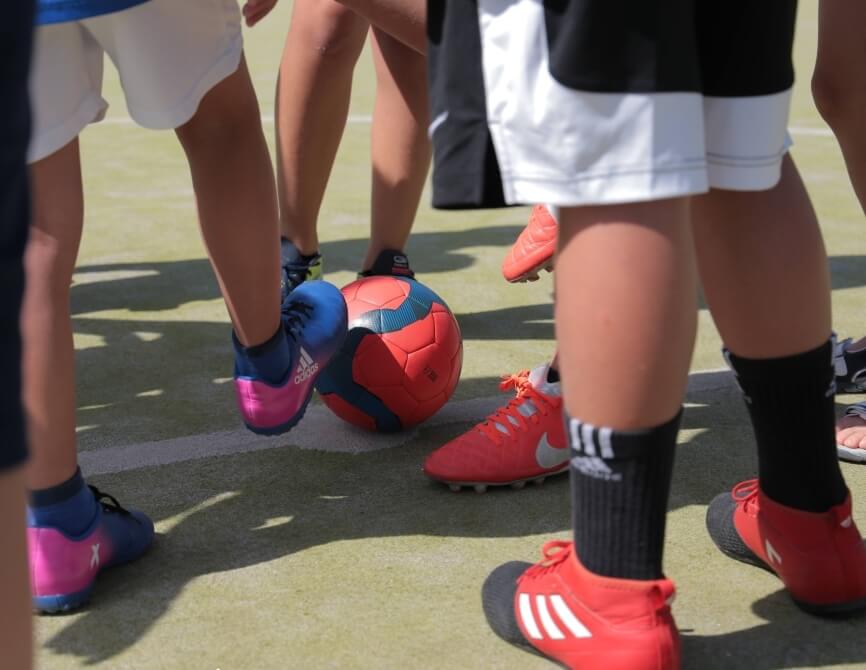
{"x":69,"y":506}
{"x":269,"y":361}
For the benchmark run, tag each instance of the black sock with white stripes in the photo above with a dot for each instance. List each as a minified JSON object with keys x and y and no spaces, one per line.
{"x":620,"y":481}
{"x":792,"y":406}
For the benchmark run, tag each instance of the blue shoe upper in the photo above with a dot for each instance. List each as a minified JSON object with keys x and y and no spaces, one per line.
{"x":316,"y":320}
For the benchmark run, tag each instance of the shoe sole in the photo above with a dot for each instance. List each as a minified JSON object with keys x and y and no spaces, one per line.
{"x":851,"y":454}
{"x":516,"y":484}
{"x":532,"y":274}
{"x":61,"y":604}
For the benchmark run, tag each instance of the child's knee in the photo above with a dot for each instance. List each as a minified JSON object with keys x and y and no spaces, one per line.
{"x":333,"y":31}
{"x":838,"y":99}
{"x":222,"y":121}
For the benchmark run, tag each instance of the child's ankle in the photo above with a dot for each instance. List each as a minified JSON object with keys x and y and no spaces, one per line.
{"x":69,"y":506}
{"x":269,"y":361}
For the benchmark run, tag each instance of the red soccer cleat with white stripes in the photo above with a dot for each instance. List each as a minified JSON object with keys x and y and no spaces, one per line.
{"x":584,"y":621}
{"x":819,"y":557}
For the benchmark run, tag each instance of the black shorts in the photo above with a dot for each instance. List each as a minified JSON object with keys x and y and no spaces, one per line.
{"x":578,"y":102}
{"x":15,"y":45}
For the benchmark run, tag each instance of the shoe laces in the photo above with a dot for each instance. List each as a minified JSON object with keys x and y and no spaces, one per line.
{"x":746,"y":494}
{"x":509,"y":416}
{"x":108,"y":502}
{"x":294,"y":314}
{"x":554,"y":552}
{"x":294,"y":274}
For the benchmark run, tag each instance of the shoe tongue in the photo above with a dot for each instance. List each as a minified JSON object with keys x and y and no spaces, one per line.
{"x":538,"y":379}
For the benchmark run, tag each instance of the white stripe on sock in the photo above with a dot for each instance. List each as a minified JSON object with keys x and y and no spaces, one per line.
{"x":588,"y":444}
{"x":604,"y":435}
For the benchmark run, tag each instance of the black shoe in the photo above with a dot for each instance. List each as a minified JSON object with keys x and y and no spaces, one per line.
{"x":295,"y":268}
{"x":389,"y":263}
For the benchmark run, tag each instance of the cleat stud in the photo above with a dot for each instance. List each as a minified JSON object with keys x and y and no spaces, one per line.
{"x":539,"y":481}
{"x":480,"y":488}
{"x":455,"y":487}
{"x":518,"y":485}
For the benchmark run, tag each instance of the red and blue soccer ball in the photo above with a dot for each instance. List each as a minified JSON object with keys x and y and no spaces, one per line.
{"x":401,"y":359}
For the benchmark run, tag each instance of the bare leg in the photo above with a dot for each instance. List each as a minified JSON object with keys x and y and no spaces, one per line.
{"x":840,"y":98}
{"x":237,"y":203}
{"x":16,"y":631}
{"x":764,"y":248}
{"x":49,"y":358}
{"x":403,"y":19}
{"x":603,"y":341}
{"x":401,"y":149}
{"x":837,"y":83}
{"x":323,"y":45}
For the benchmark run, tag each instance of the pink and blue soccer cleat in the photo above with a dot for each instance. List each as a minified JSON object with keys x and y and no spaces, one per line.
{"x":63,"y":568}
{"x":315,"y":324}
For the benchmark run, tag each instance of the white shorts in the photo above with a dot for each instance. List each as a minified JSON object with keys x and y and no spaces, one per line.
{"x":169,"y":54}
{"x":591,"y":102}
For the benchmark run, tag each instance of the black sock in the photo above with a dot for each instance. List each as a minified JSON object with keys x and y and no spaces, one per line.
{"x":791,"y":402}
{"x":620,"y":481}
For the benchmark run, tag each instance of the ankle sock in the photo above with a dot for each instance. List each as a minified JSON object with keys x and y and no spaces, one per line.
{"x":69,"y":506}
{"x":620,"y":481}
{"x":791,"y":403}
{"x":269,"y":361}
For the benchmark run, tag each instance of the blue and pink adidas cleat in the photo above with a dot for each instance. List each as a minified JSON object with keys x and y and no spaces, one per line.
{"x":315,"y":323}
{"x":63,"y":568}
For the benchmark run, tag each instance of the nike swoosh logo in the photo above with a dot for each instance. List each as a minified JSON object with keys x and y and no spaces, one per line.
{"x":547,"y":456}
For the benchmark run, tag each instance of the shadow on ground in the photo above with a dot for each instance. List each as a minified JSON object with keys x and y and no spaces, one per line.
{"x":238,"y":511}
{"x":167,"y":285}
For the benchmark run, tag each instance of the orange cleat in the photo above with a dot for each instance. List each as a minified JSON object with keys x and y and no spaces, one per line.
{"x":533,"y":250}
{"x":525,"y":440}
{"x":561,"y":610}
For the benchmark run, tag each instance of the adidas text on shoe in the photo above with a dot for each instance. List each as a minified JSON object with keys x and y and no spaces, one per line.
{"x":315,"y":322}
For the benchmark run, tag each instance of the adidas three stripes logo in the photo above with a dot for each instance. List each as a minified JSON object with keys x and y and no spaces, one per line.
{"x":552,"y":614}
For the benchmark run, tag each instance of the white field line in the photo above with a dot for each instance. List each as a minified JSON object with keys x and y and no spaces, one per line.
{"x":319,"y":430}
{"x":268,"y":119}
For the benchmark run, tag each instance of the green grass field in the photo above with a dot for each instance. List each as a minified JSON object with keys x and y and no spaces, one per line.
{"x":276,"y":554}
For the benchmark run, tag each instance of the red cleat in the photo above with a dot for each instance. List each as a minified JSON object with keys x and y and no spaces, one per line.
{"x":525,"y":440}
{"x":584,"y":621}
{"x":819,"y":557}
{"x":533,"y":250}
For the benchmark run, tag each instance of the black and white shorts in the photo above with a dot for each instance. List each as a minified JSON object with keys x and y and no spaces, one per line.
{"x":579,"y":102}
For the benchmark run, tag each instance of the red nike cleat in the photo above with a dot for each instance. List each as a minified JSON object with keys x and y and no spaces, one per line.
{"x":525,"y":440}
{"x":819,"y":557}
{"x":533,"y":250}
{"x":584,"y":621}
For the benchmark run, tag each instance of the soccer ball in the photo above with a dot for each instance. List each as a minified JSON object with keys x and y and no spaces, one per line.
{"x":401,"y":359}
